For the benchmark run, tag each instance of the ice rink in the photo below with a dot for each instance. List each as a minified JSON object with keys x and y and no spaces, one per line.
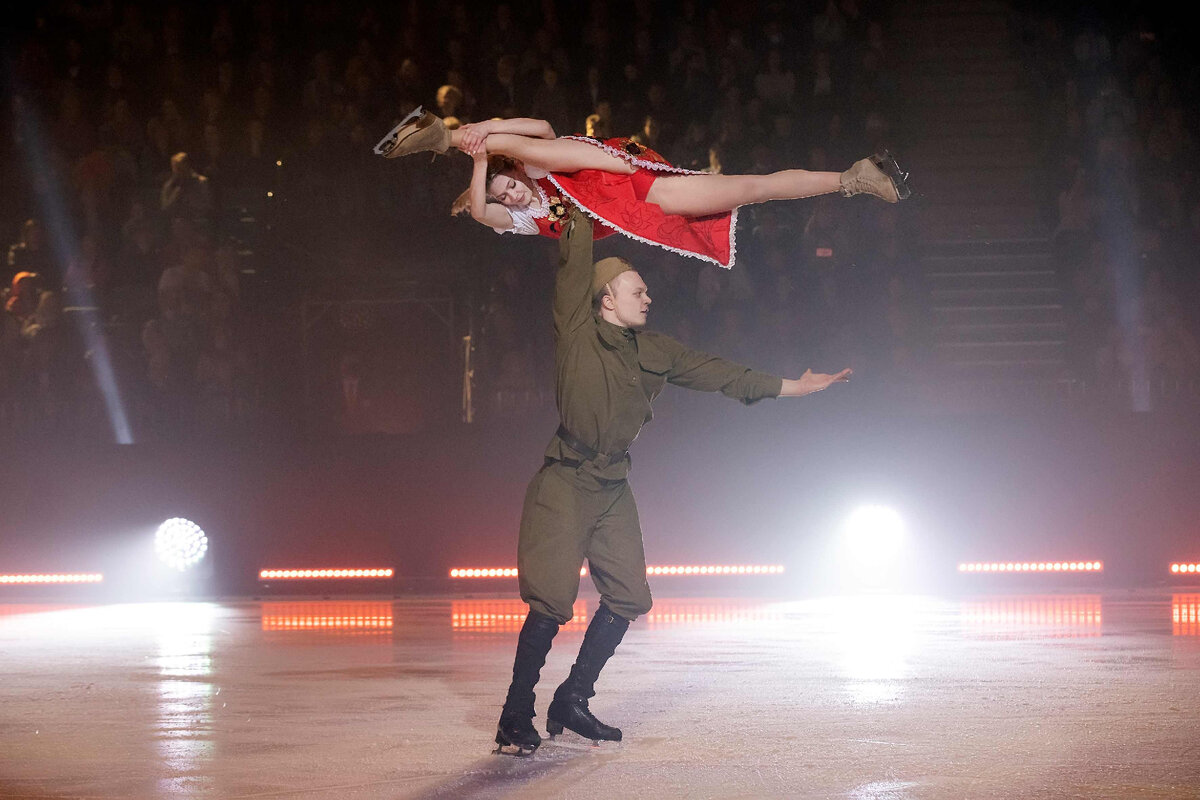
{"x":868,"y":698}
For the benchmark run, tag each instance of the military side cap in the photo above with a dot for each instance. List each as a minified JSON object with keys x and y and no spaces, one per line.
{"x":606,"y":269}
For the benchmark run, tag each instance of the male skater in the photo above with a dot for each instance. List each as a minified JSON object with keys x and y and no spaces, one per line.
{"x":579,"y":505}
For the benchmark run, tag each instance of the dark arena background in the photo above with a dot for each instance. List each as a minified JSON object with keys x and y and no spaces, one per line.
{"x":268,"y":411}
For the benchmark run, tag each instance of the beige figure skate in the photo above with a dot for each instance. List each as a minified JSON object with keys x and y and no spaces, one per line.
{"x":417,"y":132}
{"x":878,"y":175}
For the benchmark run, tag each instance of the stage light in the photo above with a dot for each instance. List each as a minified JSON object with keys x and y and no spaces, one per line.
{"x":493,"y":572}
{"x":326,"y":573}
{"x":1032,"y":566}
{"x":870,"y":545}
{"x":60,"y":578}
{"x":718,"y":569}
{"x":180,"y":544}
{"x":1184,"y":569}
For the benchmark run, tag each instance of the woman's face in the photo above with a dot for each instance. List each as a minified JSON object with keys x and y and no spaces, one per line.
{"x":510,"y":190}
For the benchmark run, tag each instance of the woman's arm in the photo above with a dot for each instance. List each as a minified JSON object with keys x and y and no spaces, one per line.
{"x":474,"y":135}
{"x":493,"y":215}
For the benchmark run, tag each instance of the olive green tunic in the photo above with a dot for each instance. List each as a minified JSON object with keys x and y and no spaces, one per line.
{"x":606,"y":377}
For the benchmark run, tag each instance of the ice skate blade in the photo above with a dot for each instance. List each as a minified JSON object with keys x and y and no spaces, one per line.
{"x":389,"y":142}
{"x":887,"y":163}
{"x":578,"y":743}
{"x":514,"y":750}
{"x":507,"y":748}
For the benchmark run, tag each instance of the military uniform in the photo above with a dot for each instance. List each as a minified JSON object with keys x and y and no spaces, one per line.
{"x":579,"y":506}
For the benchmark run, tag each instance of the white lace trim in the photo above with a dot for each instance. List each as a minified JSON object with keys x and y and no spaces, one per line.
{"x":544,"y":211}
{"x":632,"y":159}
{"x":661,"y":168}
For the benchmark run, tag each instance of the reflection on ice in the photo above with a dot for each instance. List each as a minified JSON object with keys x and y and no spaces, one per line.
{"x":874,"y":638}
{"x":882,"y":790}
{"x":498,"y":616}
{"x":368,"y":617}
{"x":712,"y":612}
{"x":185,"y":694}
{"x":1185,"y":614}
{"x":509,"y":615}
{"x":1051,"y":616}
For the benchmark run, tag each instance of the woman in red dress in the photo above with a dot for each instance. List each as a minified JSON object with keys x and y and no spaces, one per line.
{"x":627,"y":187}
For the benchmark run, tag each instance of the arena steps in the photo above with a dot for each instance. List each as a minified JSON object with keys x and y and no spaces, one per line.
{"x":996,"y":306}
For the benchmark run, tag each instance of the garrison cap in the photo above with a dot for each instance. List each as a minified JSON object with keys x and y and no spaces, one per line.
{"x":606,"y":269}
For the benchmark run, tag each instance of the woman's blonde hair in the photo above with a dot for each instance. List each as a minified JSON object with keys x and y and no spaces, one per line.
{"x":496,"y":165}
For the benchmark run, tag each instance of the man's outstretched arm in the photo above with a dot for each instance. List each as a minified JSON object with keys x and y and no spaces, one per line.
{"x":811,"y":382}
{"x":704,"y":372}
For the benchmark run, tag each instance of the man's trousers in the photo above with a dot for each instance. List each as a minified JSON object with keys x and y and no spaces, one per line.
{"x":569,"y":516}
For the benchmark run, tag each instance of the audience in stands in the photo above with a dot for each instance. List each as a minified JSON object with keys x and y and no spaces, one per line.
{"x":279,"y":103}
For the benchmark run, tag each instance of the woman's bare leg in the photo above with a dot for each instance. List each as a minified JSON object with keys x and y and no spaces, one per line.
{"x":553,"y":155}
{"x":699,"y":195}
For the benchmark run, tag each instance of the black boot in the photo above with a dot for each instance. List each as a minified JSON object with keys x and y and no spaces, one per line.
{"x":569,"y":708}
{"x":515,"y":728}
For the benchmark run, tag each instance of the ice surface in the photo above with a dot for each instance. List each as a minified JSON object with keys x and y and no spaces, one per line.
{"x":881,"y":698}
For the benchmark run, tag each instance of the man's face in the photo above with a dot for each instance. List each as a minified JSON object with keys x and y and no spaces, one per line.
{"x":630,"y":299}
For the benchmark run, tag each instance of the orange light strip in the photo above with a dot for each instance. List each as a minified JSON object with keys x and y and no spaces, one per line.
{"x":1185,"y":615}
{"x":1032,"y":566}
{"x":493,"y":572}
{"x":324,"y":574}
{"x":61,"y":577}
{"x":718,"y":569}
{"x":1185,"y":569}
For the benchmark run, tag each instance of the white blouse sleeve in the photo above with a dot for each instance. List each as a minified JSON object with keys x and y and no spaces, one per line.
{"x":522,"y":222}
{"x":536,"y":173}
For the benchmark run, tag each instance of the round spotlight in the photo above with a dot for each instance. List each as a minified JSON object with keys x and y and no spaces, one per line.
{"x":871,"y":529}
{"x":180,"y":544}
{"x":871,"y":544}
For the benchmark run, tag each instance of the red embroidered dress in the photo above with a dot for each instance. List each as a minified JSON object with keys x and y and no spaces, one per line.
{"x":619,"y":203}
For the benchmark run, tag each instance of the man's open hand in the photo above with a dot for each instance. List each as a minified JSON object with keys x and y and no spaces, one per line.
{"x":811,"y":382}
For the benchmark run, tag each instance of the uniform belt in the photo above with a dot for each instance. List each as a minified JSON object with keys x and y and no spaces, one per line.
{"x":588,"y":452}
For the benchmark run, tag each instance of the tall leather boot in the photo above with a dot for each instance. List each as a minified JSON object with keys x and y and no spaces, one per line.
{"x":569,"y":709}
{"x":515,"y":728}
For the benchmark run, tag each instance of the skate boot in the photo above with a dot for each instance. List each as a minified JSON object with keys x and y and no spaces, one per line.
{"x":515,"y":729}
{"x":879,"y":175}
{"x":419,"y":131}
{"x":569,"y":709}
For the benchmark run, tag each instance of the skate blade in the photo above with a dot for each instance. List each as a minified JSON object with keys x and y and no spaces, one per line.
{"x":514,"y":750}
{"x":388,"y":143}
{"x":899,"y":179}
{"x":576,"y":742}
{"x":583,"y":745}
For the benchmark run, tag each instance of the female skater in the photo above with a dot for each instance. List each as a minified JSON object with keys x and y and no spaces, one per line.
{"x":626,"y":186}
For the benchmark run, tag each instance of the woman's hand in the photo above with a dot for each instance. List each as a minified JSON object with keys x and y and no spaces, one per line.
{"x":474,"y":137}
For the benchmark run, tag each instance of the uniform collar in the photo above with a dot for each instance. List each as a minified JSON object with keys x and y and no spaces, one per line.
{"x":613,"y":336}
